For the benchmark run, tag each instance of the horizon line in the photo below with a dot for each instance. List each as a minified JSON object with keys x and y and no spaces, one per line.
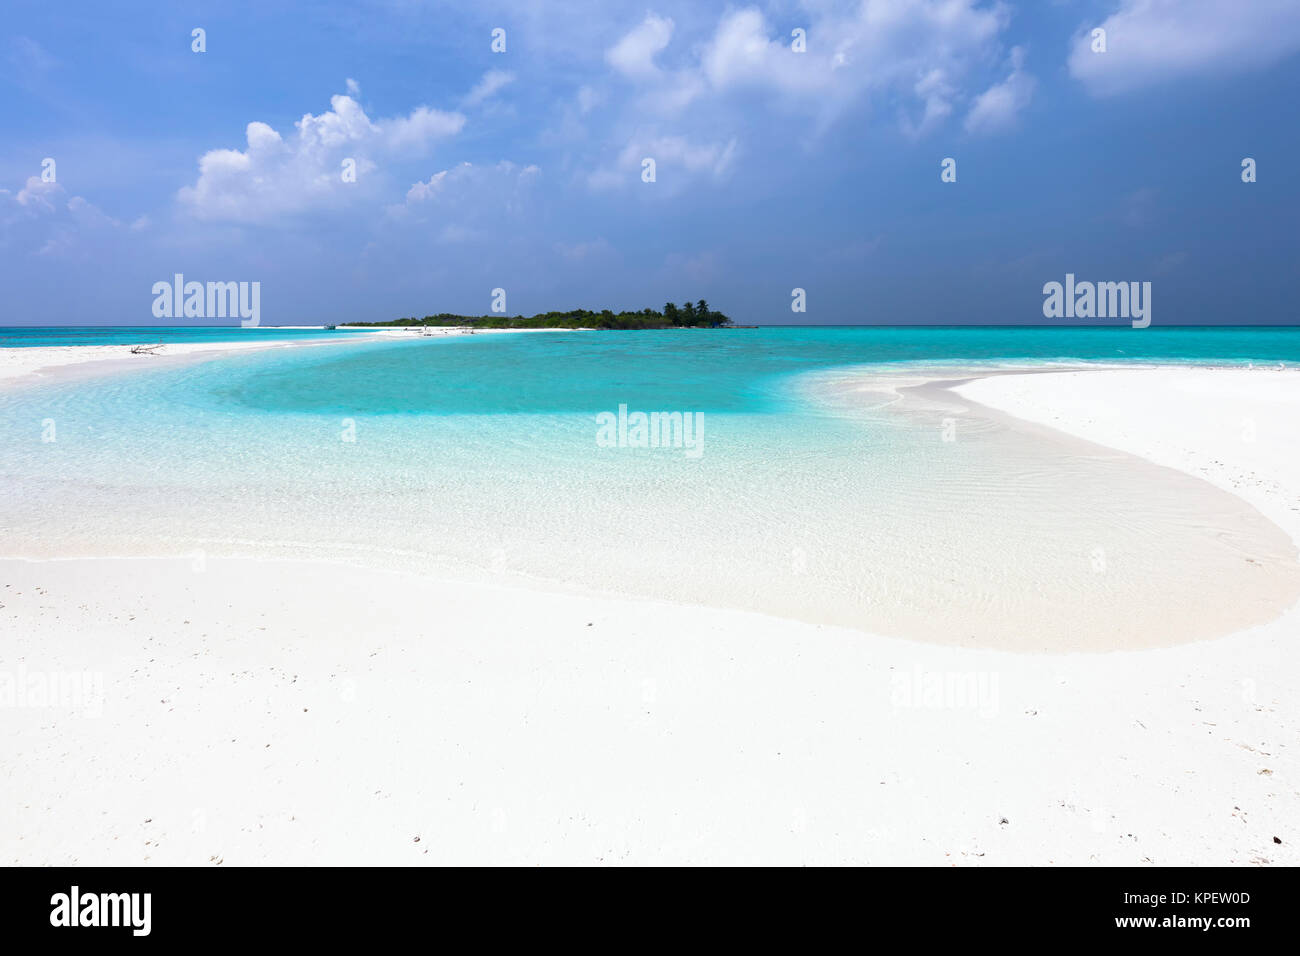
{"x":764,"y":325}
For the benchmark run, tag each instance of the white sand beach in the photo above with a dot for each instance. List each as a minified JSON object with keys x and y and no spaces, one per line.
{"x":222,"y":711}
{"x":1235,"y":428}
{"x":34,"y":363}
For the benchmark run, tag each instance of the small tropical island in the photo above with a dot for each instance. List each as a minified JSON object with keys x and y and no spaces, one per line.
{"x":692,"y":315}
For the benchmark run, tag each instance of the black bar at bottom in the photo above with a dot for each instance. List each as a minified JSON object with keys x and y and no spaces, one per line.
{"x":332,"y":906}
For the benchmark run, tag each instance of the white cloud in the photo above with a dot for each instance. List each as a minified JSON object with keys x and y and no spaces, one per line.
{"x":414,"y":133}
{"x":469,"y":202}
{"x":42,"y":218}
{"x":453,"y":182}
{"x":87,"y":214}
{"x":275,"y":176}
{"x":937,"y":94}
{"x":634,"y":54}
{"x":995,"y":109}
{"x":714,"y":158}
{"x":491,"y":83}
{"x":37,"y":194}
{"x":926,"y":58}
{"x":673,"y":156}
{"x":907,"y":45}
{"x":925,"y":54}
{"x":1153,"y":41}
{"x":49,"y":200}
{"x":420,"y":192}
{"x":740,"y":54}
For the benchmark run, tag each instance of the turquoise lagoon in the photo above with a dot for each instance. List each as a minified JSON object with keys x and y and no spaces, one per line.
{"x":825,"y":490}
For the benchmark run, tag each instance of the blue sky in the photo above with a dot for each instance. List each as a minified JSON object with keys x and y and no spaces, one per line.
{"x":774,"y":169}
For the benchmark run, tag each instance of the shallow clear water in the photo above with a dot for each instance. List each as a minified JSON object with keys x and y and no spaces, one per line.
{"x":811,"y":498}
{"x":14,"y":336}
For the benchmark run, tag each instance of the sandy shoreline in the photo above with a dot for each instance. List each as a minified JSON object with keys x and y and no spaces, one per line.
{"x":31,"y":364}
{"x":239,"y":711}
{"x":1238,"y":429}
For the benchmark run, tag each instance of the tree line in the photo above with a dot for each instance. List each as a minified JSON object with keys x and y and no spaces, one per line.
{"x":691,"y":315}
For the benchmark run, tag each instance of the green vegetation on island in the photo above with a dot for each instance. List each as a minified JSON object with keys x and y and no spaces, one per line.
{"x":692,"y":315}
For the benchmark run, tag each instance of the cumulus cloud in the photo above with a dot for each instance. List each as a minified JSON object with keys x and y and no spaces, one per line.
{"x":275,"y":176}
{"x":634,"y":54}
{"x":1154,"y":41}
{"x":922,"y":51}
{"x":38,"y":195}
{"x":996,"y":108}
{"x":927,"y":59}
{"x":741,"y":53}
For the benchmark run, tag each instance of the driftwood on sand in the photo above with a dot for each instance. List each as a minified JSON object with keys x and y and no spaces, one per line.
{"x":145,"y":349}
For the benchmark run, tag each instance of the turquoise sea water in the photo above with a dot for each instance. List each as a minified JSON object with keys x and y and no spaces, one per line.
{"x":720,"y":371}
{"x":480,"y":455}
{"x":814,"y":344}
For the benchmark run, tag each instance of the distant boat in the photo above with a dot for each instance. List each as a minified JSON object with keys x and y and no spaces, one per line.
{"x":330,"y":328}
